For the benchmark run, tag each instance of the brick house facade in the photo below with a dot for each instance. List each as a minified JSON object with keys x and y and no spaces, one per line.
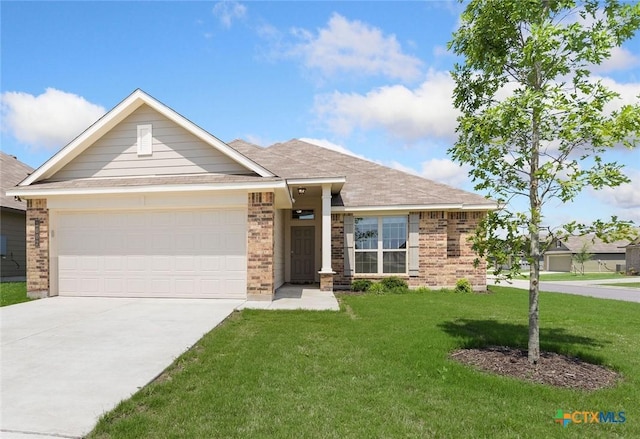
{"x":107,"y":216}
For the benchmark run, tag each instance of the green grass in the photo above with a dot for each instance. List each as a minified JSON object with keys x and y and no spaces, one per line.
{"x":625,"y":284}
{"x":573,"y":276}
{"x":380,"y":369}
{"x":13,"y":292}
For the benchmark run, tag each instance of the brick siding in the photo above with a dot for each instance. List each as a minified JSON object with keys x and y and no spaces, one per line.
{"x":37,"y":248}
{"x":444,"y":250}
{"x":260,"y":246}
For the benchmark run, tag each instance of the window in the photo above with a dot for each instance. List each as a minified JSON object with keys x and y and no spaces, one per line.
{"x":381,"y":244}
{"x":302,"y":214}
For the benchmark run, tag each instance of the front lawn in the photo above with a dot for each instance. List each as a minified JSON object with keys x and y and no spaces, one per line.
{"x":381,"y":368}
{"x":13,"y":292}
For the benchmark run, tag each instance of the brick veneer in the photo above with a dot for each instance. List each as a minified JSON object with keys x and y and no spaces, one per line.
{"x":37,"y":248}
{"x":444,"y":250}
{"x":260,"y":246}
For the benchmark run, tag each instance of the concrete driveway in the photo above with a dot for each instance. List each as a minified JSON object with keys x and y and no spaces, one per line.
{"x":66,"y":360}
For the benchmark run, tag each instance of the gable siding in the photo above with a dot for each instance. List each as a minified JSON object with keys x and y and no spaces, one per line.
{"x":175,"y":151}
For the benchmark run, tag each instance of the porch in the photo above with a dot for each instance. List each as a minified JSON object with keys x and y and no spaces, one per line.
{"x":292,"y":297}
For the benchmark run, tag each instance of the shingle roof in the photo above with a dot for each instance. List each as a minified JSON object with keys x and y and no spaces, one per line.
{"x":12,"y":172}
{"x":367,"y":183}
{"x":594,"y":244}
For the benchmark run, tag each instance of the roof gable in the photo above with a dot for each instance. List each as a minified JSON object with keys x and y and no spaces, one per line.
{"x":174,"y":151}
{"x":116,"y":116}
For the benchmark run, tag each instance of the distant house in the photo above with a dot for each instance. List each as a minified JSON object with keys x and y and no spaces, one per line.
{"x":632,"y":256}
{"x":13,"y":252}
{"x":606,"y":256}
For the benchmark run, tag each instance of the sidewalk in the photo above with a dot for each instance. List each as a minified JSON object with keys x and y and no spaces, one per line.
{"x":582,"y":288}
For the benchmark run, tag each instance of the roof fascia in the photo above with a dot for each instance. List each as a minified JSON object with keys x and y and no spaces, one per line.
{"x":415,"y":207}
{"x":30,"y":192}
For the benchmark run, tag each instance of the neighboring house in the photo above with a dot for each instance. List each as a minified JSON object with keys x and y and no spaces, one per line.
{"x":632,"y":257}
{"x":13,"y":255}
{"x":605,"y":256}
{"x":145,"y":203}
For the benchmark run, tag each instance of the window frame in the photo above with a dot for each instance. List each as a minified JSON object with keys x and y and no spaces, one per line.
{"x":379,"y":250}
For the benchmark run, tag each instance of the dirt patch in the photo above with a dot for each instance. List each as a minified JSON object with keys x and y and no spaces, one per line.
{"x":553,"y":369}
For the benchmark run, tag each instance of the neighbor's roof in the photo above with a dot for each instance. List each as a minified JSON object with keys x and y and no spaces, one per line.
{"x":367,"y":183}
{"x":594,"y":244}
{"x":12,"y":172}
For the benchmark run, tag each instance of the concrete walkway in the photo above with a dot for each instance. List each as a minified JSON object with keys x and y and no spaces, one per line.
{"x":591,"y":288}
{"x":67,"y":360}
{"x":307,"y":297}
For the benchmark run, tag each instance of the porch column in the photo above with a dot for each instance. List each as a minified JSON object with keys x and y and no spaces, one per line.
{"x":326,"y":272}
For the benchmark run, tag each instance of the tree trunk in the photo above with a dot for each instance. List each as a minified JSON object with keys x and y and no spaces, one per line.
{"x":534,"y":227}
{"x":534,"y":277}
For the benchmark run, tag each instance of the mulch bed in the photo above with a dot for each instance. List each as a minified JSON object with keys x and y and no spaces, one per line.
{"x":553,"y":369}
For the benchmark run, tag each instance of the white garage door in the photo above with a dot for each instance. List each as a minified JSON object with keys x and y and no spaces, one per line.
{"x":177,"y":253}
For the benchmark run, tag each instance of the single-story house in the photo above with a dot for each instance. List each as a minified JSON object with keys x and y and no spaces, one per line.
{"x":605,"y":256}
{"x":13,"y":251}
{"x":145,"y":203}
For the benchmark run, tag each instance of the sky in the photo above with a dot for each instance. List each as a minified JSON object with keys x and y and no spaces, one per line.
{"x":369,"y":78}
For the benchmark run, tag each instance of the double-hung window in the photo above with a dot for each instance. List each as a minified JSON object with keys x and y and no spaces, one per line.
{"x":381,"y":244}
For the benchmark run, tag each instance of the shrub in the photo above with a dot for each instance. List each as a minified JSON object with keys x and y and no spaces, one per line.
{"x":360,"y":285}
{"x":392,"y":282}
{"x":376,"y":288}
{"x":463,"y":286}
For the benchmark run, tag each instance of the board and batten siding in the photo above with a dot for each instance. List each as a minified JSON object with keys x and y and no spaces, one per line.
{"x":175,"y":151}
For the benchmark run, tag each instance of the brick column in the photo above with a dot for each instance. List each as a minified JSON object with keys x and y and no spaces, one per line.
{"x":37,"y":248}
{"x":260,"y":246}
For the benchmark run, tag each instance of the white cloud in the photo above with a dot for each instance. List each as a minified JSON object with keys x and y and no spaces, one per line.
{"x":620,"y":59}
{"x":409,"y":114}
{"x":49,"y":120}
{"x":228,"y":11}
{"x":354,"y":47}
{"x":445,"y":171}
{"x":625,"y":196}
{"x":333,"y":146}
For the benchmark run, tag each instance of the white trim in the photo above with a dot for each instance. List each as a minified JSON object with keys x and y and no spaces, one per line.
{"x":119,"y":113}
{"x":30,"y":192}
{"x":320,"y":180}
{"x":326,"y":229}
{"x":414,"y":207}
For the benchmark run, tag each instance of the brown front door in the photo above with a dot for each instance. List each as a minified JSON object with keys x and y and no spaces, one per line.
{"x":302,"y":254}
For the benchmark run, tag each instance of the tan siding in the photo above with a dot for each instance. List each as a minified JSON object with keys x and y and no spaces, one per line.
{"x":175,"y":151}
{"x":278,"y":253}
{"x":13,"y":227}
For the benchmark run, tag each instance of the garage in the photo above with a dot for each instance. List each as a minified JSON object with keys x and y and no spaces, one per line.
{"x":559,"y":263}
{"x":181,"y":253}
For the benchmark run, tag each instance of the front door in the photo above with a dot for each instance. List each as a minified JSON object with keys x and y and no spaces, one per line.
{"x":302,"y":254}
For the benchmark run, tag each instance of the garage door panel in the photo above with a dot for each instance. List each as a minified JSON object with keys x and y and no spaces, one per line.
{"x":195,"y":253}
{"x":235,"y":263}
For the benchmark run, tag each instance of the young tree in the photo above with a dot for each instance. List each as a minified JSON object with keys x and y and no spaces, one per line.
{"x":533,"y":122}
{"x":582,"y":256}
